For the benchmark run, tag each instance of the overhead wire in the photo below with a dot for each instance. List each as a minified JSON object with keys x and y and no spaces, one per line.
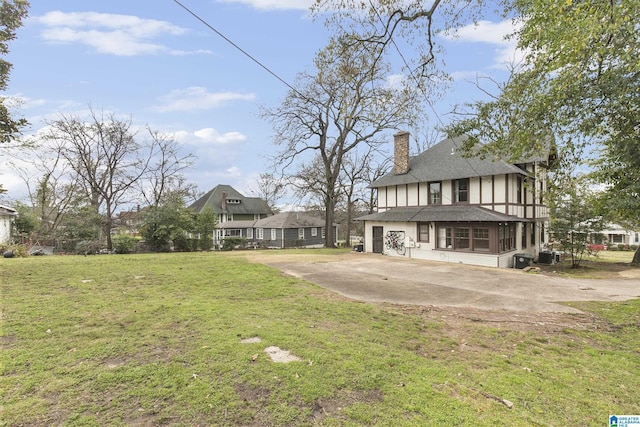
{"x":244,"y":52}
{"x":375,"y":10}
{"x":275,"y":75}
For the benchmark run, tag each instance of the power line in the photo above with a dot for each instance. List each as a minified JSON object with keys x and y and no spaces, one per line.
{"x":237,"y":47}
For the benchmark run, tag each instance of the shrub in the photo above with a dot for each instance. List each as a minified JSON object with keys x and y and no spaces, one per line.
{"x":124,"y":244}
{"x":620,"y":247}
{"x":633,"y":247}
{"x":231,"y":243}
{"x":17,"y":251}
{"x":88,"y":247}
{"x":181,"y":243}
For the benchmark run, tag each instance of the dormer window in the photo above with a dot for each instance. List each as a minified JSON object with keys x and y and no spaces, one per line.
{"x":233,"y":201}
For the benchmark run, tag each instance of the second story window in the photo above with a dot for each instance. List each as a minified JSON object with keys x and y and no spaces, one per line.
{"x":461,"y":190}
{"x":435,"y":197}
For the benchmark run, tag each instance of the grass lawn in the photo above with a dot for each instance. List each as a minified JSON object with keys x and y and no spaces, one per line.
{"x":602,"y":265}
{"x":157,"y":340}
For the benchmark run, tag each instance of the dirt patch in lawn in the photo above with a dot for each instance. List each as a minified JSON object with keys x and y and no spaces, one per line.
{"x":457,"y":320}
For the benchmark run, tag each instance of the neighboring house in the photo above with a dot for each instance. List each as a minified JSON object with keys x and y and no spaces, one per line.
{"x":291,"y":230}
{"x":129,"y":222}
{"x":617,"y":235}
{"x":442,"y":206}
{"x":283,"y":230}
{"x":230,"y":205}
{"x":7,"y":215}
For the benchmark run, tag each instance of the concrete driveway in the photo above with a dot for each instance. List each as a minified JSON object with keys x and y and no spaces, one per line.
{"x":378,"y":278}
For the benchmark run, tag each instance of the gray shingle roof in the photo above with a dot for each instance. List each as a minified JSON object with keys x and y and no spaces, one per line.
{"x":444,"y":162}
{"x":439,"y":213}
{"x":248,"y":205}
{"x":290,"y":220}
{"x":235,"y":224}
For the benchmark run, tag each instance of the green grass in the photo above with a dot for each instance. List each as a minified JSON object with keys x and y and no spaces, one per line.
{"x":155,"y":340}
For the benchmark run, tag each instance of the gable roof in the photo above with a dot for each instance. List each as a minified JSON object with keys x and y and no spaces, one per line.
{"x":7,"y":211}
{"x":290,"y":220}
{"x":444,"y":161}
{"x":213,"y":198}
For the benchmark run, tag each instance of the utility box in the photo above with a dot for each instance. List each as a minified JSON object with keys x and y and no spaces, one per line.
{"x":522,"y":260}
{"x":545,"y":257}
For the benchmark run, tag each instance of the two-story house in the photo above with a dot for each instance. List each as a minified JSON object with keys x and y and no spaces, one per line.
{"x":232,"y":207}
{"x":441,"y":205}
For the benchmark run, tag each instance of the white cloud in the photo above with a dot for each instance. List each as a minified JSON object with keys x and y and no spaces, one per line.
{"x":213,"y":136}
{"x":274,"y":4}
{"x":122,"y":35}
{"x":191,"y":52}
{"x":206,"y":137}
{"x":197,"y":98}
{"x":493,"y":33}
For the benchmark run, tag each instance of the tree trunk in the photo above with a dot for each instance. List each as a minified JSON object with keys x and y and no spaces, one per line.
{"x":329,"y":232}
{"x":349,"y":214}
{"x":636,"y":257}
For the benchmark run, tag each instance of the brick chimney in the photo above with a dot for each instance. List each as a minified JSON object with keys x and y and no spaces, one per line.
{"x":401,"y":153}
{"x":224,"y":200}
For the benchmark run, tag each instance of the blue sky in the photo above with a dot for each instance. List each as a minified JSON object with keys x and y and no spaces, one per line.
{"x":154,"y":62}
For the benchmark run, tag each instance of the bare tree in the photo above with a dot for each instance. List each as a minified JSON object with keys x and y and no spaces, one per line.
{"x":270,"y":188}
{"x":164,"y":174}
{"x":349,"y":102}
{"x":52,"y":190}
{"x":356,"y":169}
{"x":106,"y":158}
{"x":382,"y":25}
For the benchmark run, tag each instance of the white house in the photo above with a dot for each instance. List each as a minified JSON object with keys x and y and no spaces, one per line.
{"x":616,"y":234}
{"x":442,"y":206}
{"x":6,"y":221}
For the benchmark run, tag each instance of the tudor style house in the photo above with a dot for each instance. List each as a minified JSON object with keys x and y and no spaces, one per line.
{"x":440,"y":205}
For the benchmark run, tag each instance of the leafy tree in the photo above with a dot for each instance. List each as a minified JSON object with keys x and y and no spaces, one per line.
{"x":579,"y":83}
{"x":124,"y":244}
{"x":12,"y":13}
{"x":205,"y":225}
{"x":347,"y":103}
{"x":81,"y":223}
{"x":26,"y":222}
{"x":574,"y":217}
{"x":166,"y":225}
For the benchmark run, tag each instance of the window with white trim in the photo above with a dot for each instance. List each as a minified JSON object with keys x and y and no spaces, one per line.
{"x":300,"y":233}
{"x":260,"y":233}
{"x":314,"y":232}
{"x":274,"y":234}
